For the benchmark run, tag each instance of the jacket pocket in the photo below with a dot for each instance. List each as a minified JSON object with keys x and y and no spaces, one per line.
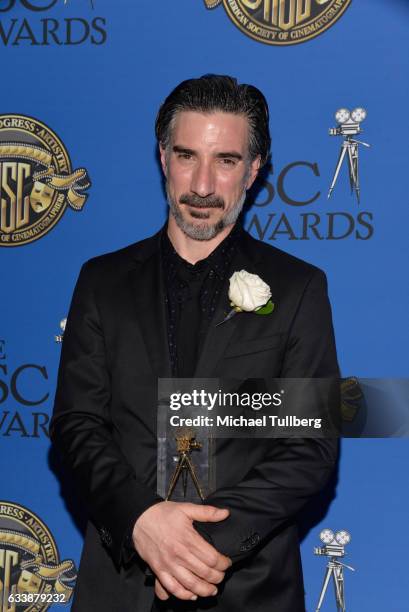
{"x":255,"y":345}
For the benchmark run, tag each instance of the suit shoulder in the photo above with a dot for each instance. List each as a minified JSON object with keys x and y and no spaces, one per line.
{"x":283,"y":262}
{"x":119,"y":262}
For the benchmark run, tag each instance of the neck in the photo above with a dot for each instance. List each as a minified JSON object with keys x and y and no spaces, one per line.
{"x":194,"y":250}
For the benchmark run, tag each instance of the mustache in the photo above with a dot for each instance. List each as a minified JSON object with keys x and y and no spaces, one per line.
{"x":198,"y":202}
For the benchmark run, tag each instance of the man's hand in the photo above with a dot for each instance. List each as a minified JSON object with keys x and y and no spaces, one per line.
{"x":185,"y":564}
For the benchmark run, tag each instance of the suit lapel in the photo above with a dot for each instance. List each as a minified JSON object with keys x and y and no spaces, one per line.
{"x":218,"y":336}
{"x":150,"y":307}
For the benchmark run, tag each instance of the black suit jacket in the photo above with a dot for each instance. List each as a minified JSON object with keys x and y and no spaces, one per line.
{"x":104,"y":424}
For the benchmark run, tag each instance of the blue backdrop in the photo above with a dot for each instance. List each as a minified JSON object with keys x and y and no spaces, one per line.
{"x":97,"y":84}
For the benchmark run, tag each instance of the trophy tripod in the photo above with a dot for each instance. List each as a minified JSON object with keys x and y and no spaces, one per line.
{"x":335,"y":568}
{"x":184,"y":446}
{"x":349,"y":127}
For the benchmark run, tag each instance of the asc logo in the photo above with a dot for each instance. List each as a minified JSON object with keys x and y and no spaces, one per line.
{"x":32,"y":577}
{"x":37,"y":181}
{"x":282,"y":22}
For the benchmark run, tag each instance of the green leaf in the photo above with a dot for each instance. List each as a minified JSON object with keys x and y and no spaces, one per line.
{"x":267,"y":309}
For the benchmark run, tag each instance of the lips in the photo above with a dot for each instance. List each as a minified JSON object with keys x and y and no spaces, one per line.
{"x":204,"y":214}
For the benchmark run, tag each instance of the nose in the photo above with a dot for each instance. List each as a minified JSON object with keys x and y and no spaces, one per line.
{"x":203,"y":183}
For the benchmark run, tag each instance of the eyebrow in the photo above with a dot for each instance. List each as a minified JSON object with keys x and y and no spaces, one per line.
{"x":221,"y":155}
{"x":178,"y":149}
{"x":232,"y":154}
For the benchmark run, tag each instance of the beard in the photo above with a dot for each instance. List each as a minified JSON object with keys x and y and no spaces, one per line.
{"x":203,"y":231}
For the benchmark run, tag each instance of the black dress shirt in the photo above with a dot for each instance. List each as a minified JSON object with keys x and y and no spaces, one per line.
{"x":192,"y":291}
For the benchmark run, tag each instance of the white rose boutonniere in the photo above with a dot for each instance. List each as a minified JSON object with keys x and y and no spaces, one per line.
{"x":248,"y":293}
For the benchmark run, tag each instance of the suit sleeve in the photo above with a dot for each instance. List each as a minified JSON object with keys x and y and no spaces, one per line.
{"x":293,"y":469}
{"x":81,"y":424}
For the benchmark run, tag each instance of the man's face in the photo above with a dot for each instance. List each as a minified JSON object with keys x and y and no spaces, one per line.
{"x":207,"y":171}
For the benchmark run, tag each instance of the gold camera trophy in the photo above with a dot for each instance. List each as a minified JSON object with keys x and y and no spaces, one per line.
{"x":185,"y":468}
{"x":186,"y":454}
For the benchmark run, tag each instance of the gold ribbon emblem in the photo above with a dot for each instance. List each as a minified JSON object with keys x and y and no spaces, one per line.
{"x":33,"y":571}
{"x":46,"y":181}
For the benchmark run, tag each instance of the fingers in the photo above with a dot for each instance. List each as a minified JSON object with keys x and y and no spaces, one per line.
{"x":207,"y":553}
{"x":197,"y":512}
{"x":193,"y":583}
{"x":174,"y":587}
{"x":223,"y":563}
{"x":186,"y":574}
{"x":201,"y":570}
{"x":185,"y":564}
{"x":160,"y":591}
{"x":190,"y":571}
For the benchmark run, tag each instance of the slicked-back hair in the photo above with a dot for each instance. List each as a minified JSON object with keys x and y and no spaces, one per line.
{"x":214,"y":93}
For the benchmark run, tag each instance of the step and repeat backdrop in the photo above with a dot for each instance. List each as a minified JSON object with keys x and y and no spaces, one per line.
{"x":81,"y":84}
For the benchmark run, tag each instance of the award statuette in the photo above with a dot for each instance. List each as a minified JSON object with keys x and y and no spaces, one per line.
{"x":185,"y":443}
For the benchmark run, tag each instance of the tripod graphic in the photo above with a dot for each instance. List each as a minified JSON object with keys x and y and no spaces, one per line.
{"x":349,"y":127}
{"x":335,"y":568}
{"x":184,"y":445}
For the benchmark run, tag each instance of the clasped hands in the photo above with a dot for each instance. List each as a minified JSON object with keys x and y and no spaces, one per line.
{"x":185,"y":565}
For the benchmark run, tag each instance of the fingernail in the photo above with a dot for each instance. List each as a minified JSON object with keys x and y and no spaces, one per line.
{"x":193,"y":598}
{"x":214,"y":592}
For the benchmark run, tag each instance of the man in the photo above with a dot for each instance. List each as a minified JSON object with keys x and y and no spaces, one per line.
{"x":151,"y":310}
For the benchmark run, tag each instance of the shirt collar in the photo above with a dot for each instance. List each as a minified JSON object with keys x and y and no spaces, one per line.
{"x":219,"y":259}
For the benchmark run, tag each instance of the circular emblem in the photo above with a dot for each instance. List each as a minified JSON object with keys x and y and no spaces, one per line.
{"x":32,"y":577}
{"x":36,"y":180}
{"x":284,"y":22}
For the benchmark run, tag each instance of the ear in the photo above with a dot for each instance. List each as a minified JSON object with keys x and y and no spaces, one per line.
{"x":162,"y":154}
{"x":253,"y":171}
